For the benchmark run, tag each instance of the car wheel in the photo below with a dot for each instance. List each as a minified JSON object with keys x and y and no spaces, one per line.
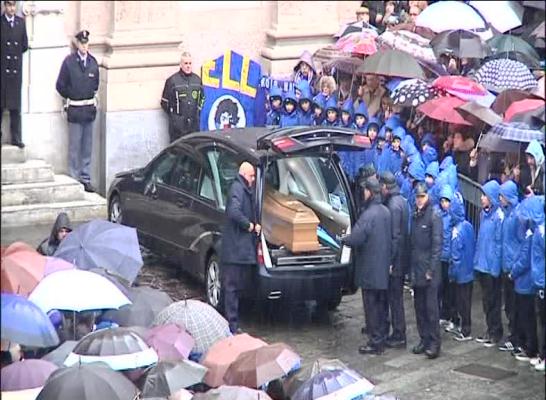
{"x":213,"y":288}
{"x":115,"y":214}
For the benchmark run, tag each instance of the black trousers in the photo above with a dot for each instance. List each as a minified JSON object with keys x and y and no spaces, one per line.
{"x":14,"y":126}
{"x":427,"y":315}
{"x":541,"y":309}
{"x":526,"y":323}
{"x":491,"y":302}
{"x":447,"y":296}
{"x":509,"y":297}
{"x":396,"y":307}
{"x":378,"y":319}
{"x":463,"y":305}
{"x":366,"y":308}
{"x":235,"y":279}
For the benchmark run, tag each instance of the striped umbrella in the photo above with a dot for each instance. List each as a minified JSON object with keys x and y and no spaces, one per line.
{"x":517,"y":132}
{"x":501,"y":74}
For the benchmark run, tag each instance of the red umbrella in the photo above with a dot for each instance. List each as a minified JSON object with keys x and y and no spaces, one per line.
{"x":358,"y":43}
{"x":170,"y":341}
{"x":21,"y":271}
{"x":522,"y":106}
{"x":443,"y":109}
{"x":460,"y":86}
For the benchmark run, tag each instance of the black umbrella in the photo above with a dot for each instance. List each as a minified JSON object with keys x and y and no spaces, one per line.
{"x":392,"y":63}
{"x":513,"y":47}
{"x":534,"y":4}
{"x":167,"y":377}
{"x":58,"y":355}
{"x":147,"y":303}
{"x":459,"y":43}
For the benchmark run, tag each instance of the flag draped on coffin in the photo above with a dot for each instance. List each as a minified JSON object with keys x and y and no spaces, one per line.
{"x":231,"y":84}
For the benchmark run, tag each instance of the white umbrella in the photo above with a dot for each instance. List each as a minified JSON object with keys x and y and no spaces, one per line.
{"x":502,"y":15}
{"x":450,"y":15}
{"x":77,"y":290}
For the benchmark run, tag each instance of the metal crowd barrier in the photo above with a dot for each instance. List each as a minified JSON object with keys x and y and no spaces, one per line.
{"x":471,"y":192}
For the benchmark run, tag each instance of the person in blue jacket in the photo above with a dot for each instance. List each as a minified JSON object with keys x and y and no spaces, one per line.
{"x":390,"y":125}
{"x":446,"y":162}
{"x":289,"y":115}
{"x":530,"y":215}
{"x":431,"y":175}
{"x":429,"y":155}
{"x":396,"y":156}
{"x":382,"y":153}
{"x":487,"y":262}
{"x":361,"y":118}
{"x":372,"y":130}
{"x":461,"y":270}
{"x":346,"y":120}
{"x":509,"y":202}
{"x":537,"y":276}
{"x":332,"y":112}
{"x":428,"y":141}
{"x":305,"y":109}
{"x":275,"y":106}
{"x":319,"y":104}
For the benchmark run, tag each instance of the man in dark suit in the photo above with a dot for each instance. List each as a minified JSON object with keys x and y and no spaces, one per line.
{"x":14,"y":43}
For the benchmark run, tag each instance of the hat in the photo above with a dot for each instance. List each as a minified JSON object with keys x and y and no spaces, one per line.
{"x":372,"y":184}
{"x":421,"y":189}
{"x":83,"y":36}
{"x":388,"y":179}
{"x":366,"y":171}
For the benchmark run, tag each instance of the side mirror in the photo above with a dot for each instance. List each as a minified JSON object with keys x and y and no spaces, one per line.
{"x":138,"y":176}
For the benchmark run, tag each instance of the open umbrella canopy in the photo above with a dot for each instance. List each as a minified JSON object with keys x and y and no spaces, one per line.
{"x":408,"y":42}
{"x":257,"y":367}
{"x":345,"y":383}
{"x":449,"y":15}
{"x":21,"y":270}
{"x":502,"y":15}
{"x":58,"y":355}
{"x":26,"y":374}
{"x":459,"y":43}
{"x":54,"y":264}
{"x":17,"y":246}
{"x":479,"y":112}
{"x":460,"y":86}
{"x":167,"y":377}
{"x":392,"y":63}
{"x":349,"y":65}
{"x":501,"y":74}
{"x":509,"y":96}
{"x":77,"y":290}
{"x":517,"y":132}
{"x":201,"y":320}
{"x":224,"y":352}
{"x":25,"y":323}
{"x":444,"y":109}
{"x":100,"y":243}
{"x":523,"y":107}
{"x":412,"y":92}
{"x":509,"y":44}
{"x":362,"y":42}
{"x":226,"y":392}
{"x":88,"y":382}
{"x":170,"y":341}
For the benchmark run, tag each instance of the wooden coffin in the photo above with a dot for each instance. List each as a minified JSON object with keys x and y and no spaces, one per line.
{"x":288,"y":222}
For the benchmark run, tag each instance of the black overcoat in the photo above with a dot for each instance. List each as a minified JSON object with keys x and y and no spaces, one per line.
{"x":14,"y":43}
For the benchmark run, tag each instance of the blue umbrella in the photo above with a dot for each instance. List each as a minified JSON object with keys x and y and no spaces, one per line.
{"x":23,"y":322}
{"x":103,"y":244}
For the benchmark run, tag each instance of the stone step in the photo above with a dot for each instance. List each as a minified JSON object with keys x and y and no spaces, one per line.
{"x":63,"y":188}
{"x":12,"y":154}
{"x":92,"y":206}
{"x":27,"y":172}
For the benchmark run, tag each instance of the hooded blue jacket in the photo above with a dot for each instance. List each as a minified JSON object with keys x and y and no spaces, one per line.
{"x":429,"y":155}
{"x":331,"y":104}
{"x":291,"y":119}
{"x":447,"y":192}
{"x":537,"y":257}
{"x":446,"y":162}
{"x":319,"y":101}
{"x":362,"y":110}
{"x":396,"y":160}
{"x":531,"y":215}
{"x":461,"y":268}
{"x":488,"y":255}
{"x":348,"y":108}
{"x":428,"y":138}
{"x":510,"y":242}
{"x":433,"y":169}
{"x":274,"y":116}
{"x":305,"y":118}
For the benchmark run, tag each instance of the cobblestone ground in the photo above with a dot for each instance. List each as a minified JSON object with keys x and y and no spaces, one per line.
{"x":337,"y":334}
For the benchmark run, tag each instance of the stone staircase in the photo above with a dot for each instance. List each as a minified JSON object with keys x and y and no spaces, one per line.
{"x":32,"y":194}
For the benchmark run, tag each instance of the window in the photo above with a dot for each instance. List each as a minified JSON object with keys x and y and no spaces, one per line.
{"x":162,"y":168}
{"x":186,"y":174}
{"x":224,"y":166}
{"x":207,"y":190}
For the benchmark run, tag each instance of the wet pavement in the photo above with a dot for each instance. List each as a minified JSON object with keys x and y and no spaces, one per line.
{"x":319,"y":334}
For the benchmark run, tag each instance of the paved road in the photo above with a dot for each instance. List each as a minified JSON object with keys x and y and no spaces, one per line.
{"x":337,"y":335}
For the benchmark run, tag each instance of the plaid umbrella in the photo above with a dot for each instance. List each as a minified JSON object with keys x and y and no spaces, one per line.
{"x":201,"y":320}
{"x":413,"y":92}
{"x":444,"y":109}
{"x":517,"y":132}
{"x":502,"y":74}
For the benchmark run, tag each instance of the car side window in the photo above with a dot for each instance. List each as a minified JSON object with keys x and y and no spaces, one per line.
{"x":186,"y":174}
{"x":162,"y":168}
{"x":207,"y":191}
{"x":224,"y":166}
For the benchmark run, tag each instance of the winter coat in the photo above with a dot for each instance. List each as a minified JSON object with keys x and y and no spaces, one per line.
{"x":446,"y":162}
{"x":274,"y":115}
{"x":14,"y":43}
{"x":462,"y":243}
{"x":305,"y":118}
{"x":426,"y":246}
{"x":49,"y":245}
{"x":510,"y":242}
{"x":319,"y":101}
{"x":371,"y":237}
{"x":447,"y":193}
{"x":429,"y":155}
{"x":488,"y":254}
{"x":537,"y":257}
{"x":398,"y":207}
{"x":537,"y":178}
{"x":238,"y":244}
{"x":395,"y":161}
{"x":428,"y":138}
{"x":312,"y":79}
{"x":361,"y":109}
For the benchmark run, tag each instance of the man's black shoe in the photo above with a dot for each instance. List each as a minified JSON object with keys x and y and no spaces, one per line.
{"x":432,"y":354}
{"x":419,"y":349}
{"x":21,"y":145}
{"x":367,"y":349}
{"x":395,"y":343}
{"x":88,"y":188}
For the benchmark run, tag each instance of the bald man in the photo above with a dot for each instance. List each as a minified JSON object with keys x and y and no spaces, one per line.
{"x":239,"y":240}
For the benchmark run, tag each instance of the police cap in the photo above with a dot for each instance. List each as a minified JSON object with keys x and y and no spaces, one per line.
{"x":83,"y":36}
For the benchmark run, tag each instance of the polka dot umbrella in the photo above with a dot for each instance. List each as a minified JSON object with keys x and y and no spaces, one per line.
{"x":414,"y":92}
{"x":502,"y":74}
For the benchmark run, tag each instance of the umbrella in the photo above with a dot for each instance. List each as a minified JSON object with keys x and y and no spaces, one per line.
{"x":224,"y":352}
{"x":77,"y":290}
{"x":147,"y":302}
{"x":538,"y":32}
{"x":338,"y":381}
{"x":449,"y":15}
{"x":539,"y":91}
{"x":21,"y":270}
{"x":58,"y":355}
{"x":232,"y":393}
{"x":522,"y":107}
{"x":328,"y":54}
{"x":502,"y":15}
{"x":357,"y":26}
{"x":443,"y":109}
{"x":348,"y":65}
{"x":27,"y":394}
{"x":501,"y":74}
{"x":257,"y":367}
{"x":511,"y":46}
{"x":88,"y":382}
{"x":459,"y":43}
{"x":201,"y":320}
{"x":17,"y":246}
{"x":167,"y":377}
{"x":25,"y":323}
{"x":408,"y":42}
{"x":460,"y":86}
{"x":517,"y":132}
{"x":122,"y":284}
{"x":509,"y":96}
{"x":495,"y":143}
{"x":481,"y":113}
{"x":413,"y":92}
{"x":358,"y":42}
{"x":26,"y":374}
{"x":536,"y":119}
{"x":54,"y":264}
{"x":120,"y":348}
{"x":538,"y":4}
{"x":170,"y":341}
{"x":100,"y":243}
{"x":392,"y":63}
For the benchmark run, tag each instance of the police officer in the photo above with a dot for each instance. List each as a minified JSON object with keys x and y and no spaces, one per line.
{"x":78,"y":83}
{"x":182,"y":99}
{"x":426,"y":246}
{"x":14,"y":43}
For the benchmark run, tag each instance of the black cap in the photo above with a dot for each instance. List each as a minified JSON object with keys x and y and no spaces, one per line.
{"x":83,"y":36}
{"x":372,"y":184}
{"x":421,"y":189}
{"x":388,"y":179}
{"x":366,"y":171}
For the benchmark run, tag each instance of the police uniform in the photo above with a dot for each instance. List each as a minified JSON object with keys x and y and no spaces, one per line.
{"x":182,"y":100}
{"x":78,"y":83}
{"x":14,"y":43}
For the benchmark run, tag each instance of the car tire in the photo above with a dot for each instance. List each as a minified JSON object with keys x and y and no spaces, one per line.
{"x":115,"y":213}
{"x":213,"y":287}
